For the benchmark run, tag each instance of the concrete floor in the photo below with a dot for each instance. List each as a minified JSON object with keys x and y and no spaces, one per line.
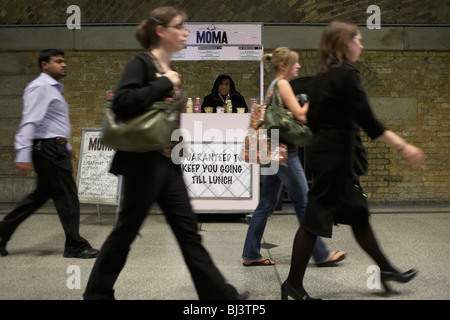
{"x":411,"y":238}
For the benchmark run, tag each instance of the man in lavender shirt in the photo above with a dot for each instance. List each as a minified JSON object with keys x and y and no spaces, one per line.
{"x":42,"y":139}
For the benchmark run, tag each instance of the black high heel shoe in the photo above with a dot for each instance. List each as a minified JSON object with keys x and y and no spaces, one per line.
{"x":287,"y":290}
{"x":3,"y":251}
{"x":402,"y":277}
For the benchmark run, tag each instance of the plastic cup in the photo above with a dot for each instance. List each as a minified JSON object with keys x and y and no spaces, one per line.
{"x":220,"y":110}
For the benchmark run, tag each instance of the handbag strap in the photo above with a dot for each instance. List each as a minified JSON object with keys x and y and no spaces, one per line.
{"x":273,"y":95}
{"x":150,"y":59}
{"x":269,"y":92}
{"x":156,"y":63}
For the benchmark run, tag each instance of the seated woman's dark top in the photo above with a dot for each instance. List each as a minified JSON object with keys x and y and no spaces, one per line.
{"x":223,"y":90}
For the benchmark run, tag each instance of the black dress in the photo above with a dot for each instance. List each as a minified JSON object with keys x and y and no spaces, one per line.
{"x":338,"y":107}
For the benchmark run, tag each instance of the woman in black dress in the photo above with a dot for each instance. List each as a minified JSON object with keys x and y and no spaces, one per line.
{"x":338,"y":108}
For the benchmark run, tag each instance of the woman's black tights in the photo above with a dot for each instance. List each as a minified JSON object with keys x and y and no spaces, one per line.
{"x":304,"y":242}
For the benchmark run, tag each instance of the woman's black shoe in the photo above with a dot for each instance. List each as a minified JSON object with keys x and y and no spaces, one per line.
{"x":402,"y":277}
{"x":287,"y":290}
{"x":3,"y":251}
{"x":242,"y":296}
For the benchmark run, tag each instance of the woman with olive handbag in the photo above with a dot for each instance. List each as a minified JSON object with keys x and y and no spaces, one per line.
{"x":278,"y":117}
{"x":151,"y":176}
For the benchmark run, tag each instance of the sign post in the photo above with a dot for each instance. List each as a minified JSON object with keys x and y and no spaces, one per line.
{"x":210,"y":189}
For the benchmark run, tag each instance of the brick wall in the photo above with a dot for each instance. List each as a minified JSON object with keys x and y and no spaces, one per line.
{"x":92,"y":75}
{"x":422,"y":77}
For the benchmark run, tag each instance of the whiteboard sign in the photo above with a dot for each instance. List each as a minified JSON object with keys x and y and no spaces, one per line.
{"x":95,"y":183}
{"x":226,"y":41}
{"x":212,"y":170}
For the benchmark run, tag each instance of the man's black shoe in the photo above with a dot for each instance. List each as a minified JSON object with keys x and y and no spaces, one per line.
{"x":85,"y":254}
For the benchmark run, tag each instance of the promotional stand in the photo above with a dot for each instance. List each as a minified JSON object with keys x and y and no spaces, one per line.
{"x":216,"y":179}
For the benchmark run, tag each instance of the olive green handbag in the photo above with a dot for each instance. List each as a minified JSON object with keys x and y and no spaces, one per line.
{"x":277,"y":116}
{"x":149,"y":131}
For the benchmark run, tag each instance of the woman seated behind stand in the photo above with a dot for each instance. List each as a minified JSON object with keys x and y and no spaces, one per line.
{"x":223,"y":90}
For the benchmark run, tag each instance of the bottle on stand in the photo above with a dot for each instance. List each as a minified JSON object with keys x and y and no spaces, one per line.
{"x":189,"y":106}
{"x":229,"y":106}
{"x":197,"y":106}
